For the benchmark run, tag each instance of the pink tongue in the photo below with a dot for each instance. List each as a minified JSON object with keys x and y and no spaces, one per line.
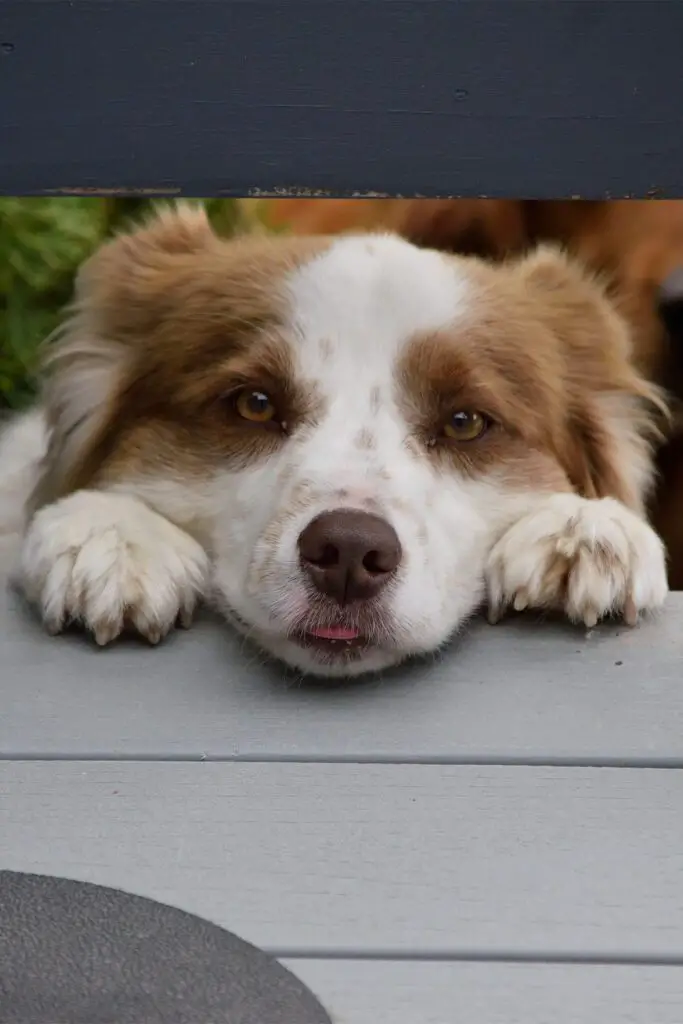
{"x":335,"y":633}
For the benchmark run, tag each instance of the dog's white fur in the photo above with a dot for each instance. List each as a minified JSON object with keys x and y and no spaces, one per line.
{"x":144,"y":548}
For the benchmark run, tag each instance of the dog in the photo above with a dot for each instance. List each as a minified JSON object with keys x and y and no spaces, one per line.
{"x":346,"y":444}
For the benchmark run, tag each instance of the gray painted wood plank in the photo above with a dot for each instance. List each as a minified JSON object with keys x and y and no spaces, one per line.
{"x":523,"y":690}
{"x":375,"y":992}
{"x":349,"y":859}
{"x":445,"y":97}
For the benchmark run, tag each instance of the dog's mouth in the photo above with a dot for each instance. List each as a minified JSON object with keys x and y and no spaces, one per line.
{"x":333,"y":647}
{"x":334,"y":641}
{"x":331,"y":642}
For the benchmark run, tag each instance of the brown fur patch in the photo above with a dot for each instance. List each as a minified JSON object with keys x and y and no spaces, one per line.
{"x":540,"y":350}
{"x":192,"y":318}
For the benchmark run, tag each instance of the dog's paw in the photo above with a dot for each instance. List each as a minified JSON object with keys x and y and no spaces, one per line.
{"x":108,"y":562}
{"x":587,"y":558}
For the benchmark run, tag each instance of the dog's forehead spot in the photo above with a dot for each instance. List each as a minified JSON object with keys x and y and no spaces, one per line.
{"x":360,"y":301}
{"x":375,"y":398}
{"x":365,"y":439}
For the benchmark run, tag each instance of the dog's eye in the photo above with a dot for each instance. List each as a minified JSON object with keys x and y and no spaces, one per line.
{"x":466,"y":425}
{"x":255,"y":406}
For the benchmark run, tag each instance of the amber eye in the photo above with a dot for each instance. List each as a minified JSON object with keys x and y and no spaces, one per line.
{"x":466,"y":425}
{"x":255,"y":406}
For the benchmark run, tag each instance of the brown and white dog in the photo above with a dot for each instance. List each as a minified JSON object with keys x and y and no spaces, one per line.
{"x":347,"y":444}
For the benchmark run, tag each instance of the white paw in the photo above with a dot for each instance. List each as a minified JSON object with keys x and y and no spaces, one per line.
{"x":107,"y":561}
{"x":587,"y":558}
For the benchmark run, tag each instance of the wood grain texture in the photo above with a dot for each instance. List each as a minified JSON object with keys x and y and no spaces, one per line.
{"x":355,"y":859}
{"x":445,"y":993}
{"x":525,"y":691}
{"x":430,"y":97}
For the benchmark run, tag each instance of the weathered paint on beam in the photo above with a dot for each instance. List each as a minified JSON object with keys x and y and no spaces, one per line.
{"x":438,"y":98}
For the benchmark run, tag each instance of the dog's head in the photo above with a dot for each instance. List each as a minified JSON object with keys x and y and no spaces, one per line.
{"x":346,"y":424}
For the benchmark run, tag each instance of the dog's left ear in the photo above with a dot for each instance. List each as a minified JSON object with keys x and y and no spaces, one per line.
{"x":613,"y":416}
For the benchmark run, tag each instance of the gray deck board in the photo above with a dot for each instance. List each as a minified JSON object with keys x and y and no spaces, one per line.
{"x":467,"y":993}
{"x":524,"y":690}
{"x":420,"y":860}
{"x":194,"y":774}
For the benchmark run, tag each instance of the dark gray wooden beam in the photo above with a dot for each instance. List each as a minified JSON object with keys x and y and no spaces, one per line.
{"x":542,"y":98}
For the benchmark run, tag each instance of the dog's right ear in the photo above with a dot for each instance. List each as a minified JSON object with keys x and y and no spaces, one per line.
{"x":121,"y":292}
{"x":614,"y":416}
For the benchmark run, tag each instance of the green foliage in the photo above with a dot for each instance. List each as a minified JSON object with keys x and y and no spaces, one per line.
{"x":42,"y":243}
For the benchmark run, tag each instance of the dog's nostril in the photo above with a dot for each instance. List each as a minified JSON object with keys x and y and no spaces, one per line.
{"x":376,"y":562}
{"x":328,"y":557}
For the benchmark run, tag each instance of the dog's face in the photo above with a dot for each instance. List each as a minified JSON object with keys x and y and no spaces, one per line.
{"x":357,"y":532}
{"x":346,"y":424}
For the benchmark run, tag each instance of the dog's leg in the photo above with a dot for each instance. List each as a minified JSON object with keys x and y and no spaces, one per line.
{"x":589,"y":558}
{"x":107,"y":561}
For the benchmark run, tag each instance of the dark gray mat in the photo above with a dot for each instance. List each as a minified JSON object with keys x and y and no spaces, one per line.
{"x":75,"y":953}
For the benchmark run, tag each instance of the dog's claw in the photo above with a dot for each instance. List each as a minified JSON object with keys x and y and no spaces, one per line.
{"x":630,"y":612}
{"x":104,"y":634}
{"x":590,"y":618}
{"x":521,"y":600}
{"x":186,"y":617}
{"x":494,"y":613}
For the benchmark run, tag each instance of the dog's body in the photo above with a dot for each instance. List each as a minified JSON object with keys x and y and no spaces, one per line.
{"x":347,"y":444}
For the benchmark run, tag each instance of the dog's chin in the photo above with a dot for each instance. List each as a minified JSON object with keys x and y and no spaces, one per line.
{"x":329,"y":661}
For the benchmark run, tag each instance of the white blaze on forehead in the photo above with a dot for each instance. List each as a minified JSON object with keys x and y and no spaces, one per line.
{"x":366,"y":296}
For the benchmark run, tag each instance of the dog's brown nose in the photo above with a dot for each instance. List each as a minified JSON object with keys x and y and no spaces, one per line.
{"x":348,"y":554}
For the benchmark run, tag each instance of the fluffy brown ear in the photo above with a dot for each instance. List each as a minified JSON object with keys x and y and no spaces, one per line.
{"x":120,"y":291}
{"x":613,"y":416}
{"x":128,"y":281}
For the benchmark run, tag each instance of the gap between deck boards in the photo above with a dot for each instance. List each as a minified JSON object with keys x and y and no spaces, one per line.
{"x":634,"y":763}
{"x":476,"y":956}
